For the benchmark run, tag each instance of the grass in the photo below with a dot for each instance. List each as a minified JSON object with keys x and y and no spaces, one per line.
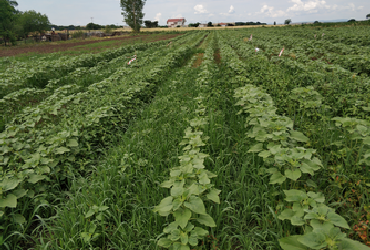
{"x":127,"y":178}
{"x":96,"y":44}
{"x":112,"y":207}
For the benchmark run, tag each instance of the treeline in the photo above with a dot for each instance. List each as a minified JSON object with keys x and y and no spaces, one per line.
{"x":89,"y":26}
{"x":15,"y":24}
{"x":150,"y":24}
{"x":248,"y":23}
{"x":352,"y":22}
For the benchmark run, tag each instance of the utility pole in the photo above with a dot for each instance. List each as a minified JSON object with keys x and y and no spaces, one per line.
{"x":92,"y":19}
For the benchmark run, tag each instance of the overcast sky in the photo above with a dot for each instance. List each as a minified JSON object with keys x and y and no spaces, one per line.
{"x":79,"y":12}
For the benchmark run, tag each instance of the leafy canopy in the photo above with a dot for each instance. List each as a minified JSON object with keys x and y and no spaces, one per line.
{"x":7,"y":16}
{"x":33,"y":21}
{"x":132,"y":11}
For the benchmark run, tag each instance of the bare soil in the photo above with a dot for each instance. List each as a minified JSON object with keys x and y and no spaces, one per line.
{"x":217,"y":56}
{"x":199,"y":60}
{"x":44,"y":47}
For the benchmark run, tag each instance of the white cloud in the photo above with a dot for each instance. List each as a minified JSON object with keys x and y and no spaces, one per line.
{"x":158,"y":17}
{"x":270,"y":11}
{"x":176,"y":16}
{"x":352,"y":6}
{"x":231,"y":11}
{"x":308,"y":6}
{"x":199,"y":9}
{"x":360,"y":7}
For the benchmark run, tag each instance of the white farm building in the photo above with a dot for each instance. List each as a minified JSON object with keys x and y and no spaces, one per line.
{"x":176,"y":22}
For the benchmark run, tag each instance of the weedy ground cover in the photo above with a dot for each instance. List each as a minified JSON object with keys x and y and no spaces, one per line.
{"x":67,"y":47}
{"x":321,"y":128}
{"x":81,"y":77}
{"x":123,"y":93}
{"x":244,"y":151}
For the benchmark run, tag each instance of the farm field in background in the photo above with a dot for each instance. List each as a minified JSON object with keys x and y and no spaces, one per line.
{"x":200,"y":142}
{"x":89,"y":45}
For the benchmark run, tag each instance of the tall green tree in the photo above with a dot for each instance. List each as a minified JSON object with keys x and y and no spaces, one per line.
{"x":132,"y":11}
{"x":8,"y":15}
{"x":32,"y":21}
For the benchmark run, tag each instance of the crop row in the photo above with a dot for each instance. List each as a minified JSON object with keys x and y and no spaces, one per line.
{"x":190,"y":183}
{"x":333,"y":87}
{"x":353,"y":58}
{"x":54,"y":141}
{"x":267,"y":127}
{"x":316,"y":101}
{"x":13,"y":103}
{"x":41,"y":72}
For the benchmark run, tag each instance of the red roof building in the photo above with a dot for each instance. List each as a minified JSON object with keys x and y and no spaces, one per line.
{"x":176,"y":22}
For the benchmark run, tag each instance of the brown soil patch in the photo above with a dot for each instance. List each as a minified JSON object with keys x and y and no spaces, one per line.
{"x":217,"y":56}
{"x":199,"y":60}
{"x":69,"y":46}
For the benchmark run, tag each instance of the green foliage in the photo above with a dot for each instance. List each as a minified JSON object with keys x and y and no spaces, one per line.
{"x":7,"y":18}
{"x":84,"y":165}
{"x":93,"y":26}
{"x":194,"y":24}
{"x":107,"y":29}
{"x":190,"y":184}
{"x":132,"y":11}
{"x":150,"y":24}
{"x":279,"y":147}
{"x":116,"y":105}
{"x":33,"y":21}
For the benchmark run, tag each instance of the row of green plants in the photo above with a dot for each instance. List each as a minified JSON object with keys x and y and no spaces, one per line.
{"x":39,"y":73}
{"x":286,"y":160}
{"x":353,"y":57}
{"x":343,"y":144}
{"x":343,"y":91}
{"x":52,"y":142}
{"x":98,"y":214}
{"x":342,"y":94}
{"x":15,"y":102}
{"x":190,"y":183}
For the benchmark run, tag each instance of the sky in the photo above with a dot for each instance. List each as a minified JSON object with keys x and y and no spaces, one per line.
{"x":80,"y":12}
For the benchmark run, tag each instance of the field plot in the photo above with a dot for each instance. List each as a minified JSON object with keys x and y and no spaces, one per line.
{"x":77,"y":47}
{"x":199,"y":143}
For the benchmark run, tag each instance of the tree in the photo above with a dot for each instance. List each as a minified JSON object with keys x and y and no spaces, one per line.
{"x":288,"y":21}
{"x":30,"y":22}
{"x":210,"y":24}
{"x":108,"y":29}
{"x":274,"y":23}
{"x":368,"y":16}
{"x":132,"y":11}
{"x":92,"y":26}
{"x":150,"y":24}
{"x":8,"y":15}
{"x":33,"y":21}
{"x":194,"y":24}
